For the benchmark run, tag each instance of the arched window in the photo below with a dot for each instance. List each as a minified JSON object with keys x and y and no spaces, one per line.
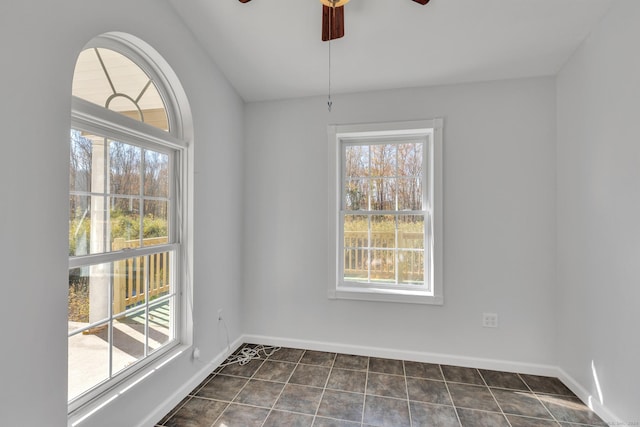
{"x":127,"y":219}
{"x":111,"y":80}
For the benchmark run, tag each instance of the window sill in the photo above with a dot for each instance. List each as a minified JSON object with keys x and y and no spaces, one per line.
{"x":385,"y":295}
{"x":81,"y":416}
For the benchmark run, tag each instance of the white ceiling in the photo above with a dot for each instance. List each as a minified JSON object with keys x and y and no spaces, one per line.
{"x":271,"y":49}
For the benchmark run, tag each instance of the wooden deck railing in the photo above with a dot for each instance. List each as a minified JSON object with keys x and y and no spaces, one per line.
{"x":129,"y":275}
{"x":381,"y":262}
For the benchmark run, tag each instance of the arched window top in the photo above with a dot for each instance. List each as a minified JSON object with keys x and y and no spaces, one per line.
{"x":111,"y":80}
{"x":119,"y":73}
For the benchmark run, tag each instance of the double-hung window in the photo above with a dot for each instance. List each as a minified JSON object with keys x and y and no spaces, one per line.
{"x":126,"y":218}
{"x":386,"y":211}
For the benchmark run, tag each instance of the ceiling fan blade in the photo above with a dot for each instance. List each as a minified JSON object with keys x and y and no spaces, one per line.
{"x":422,"y":2}
{"x":332,"y":22}
{"x":247,"y":1}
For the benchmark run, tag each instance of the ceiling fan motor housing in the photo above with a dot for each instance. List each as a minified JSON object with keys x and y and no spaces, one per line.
{"x":334,"y":3}
{"x":333,"y":17}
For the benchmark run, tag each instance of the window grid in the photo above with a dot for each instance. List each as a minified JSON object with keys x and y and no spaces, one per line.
{"x":373,"y":248}
{"x":139,"y":258}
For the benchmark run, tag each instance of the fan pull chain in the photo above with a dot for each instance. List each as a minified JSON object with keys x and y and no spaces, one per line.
{"x":329,"y":102}
{"x":331,"y":17}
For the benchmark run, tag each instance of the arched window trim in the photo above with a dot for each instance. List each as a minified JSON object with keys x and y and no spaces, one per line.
{"x":97,"y":119}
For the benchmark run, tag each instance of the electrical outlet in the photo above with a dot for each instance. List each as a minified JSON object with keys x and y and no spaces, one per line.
{"x":490,"y":320}
{"x":219,"y":314}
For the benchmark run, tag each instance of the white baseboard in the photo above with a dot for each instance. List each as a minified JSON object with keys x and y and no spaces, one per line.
{"x":445,"y":359}
{"x":170,"y":402}
{"x":592,"y":401}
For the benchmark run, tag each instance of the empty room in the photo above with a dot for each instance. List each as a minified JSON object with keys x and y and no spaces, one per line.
{"x":320,"y":213}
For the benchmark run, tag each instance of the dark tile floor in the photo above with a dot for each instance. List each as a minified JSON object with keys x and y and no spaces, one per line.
{"x":296,"y":388}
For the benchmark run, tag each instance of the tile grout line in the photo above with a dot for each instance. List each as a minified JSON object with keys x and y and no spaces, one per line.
{"x":366,"y":383}
{"x":494,"y":398}
{"x":335,"y":355}
{"x":553,"y":417}
{"x":406,"y":389}
{"x":273,"y":406}
{"x":242,"y":388}
{"x":453,"y":404}
{"x":218,"y":417}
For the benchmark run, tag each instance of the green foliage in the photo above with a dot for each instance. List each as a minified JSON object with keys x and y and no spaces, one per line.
{"x":78,"y":297}
{"x":154,"y":227}
{"x":123,"y":225}
{"x":79,"y":232}
{"x":381,"y":226}
{"x":127,"y":226}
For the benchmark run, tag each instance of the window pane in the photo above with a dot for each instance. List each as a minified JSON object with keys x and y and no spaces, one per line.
{"x":160,"y":274}
{"x":356,"y":242}
{"x":383,"y":231}
{"x":152,"y":108}
{"x":80,"y":162}
{"x":156,"y":174}
{"x":410,"y":158}
{"x":356,"y":231}
{"x":89,"y":79}
{"x":79,"y":225}
{"x":125,"y":223}
{"x":78,"y":301}
{"x":383,"y":194}
{"x":411,"y":231}
{"x":126,"y":76}
{"x":129,"y":283}
{"x":128,"y":339}
{"x":356,"y":195}
{"x":89,"y":289}
{"x":88,"y":304}
{"x":155,"y":221}
{"x":125,"y":161}
{"x":126,"y":106}
{"x":410,"y":194}
{"x":383,"y":265}
{"x":356,"y":161}
{"x":88,"y":361}
{"x":356,"y":261}
{"x":411,"y":267}
{"x":160,"y":324}
{"x":383,"y":160}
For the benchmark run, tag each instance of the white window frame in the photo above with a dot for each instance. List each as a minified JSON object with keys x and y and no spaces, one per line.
{"x":95,"y":119}
{"x":430,"y":131}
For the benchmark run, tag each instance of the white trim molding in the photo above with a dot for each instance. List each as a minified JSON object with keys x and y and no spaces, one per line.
{"x":430,"y":133}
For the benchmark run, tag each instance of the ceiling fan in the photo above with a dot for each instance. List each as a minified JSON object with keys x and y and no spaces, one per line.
{"x":333,"y":17}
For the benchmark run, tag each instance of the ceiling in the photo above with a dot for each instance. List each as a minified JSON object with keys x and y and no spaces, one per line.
{"x":271,"y":49}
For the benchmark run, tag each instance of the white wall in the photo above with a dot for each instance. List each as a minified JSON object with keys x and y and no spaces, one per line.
{"x":599,"y":212}
{"x":500,"y":212}
{"x":40,"y":41}
{"x":499,"y":208}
